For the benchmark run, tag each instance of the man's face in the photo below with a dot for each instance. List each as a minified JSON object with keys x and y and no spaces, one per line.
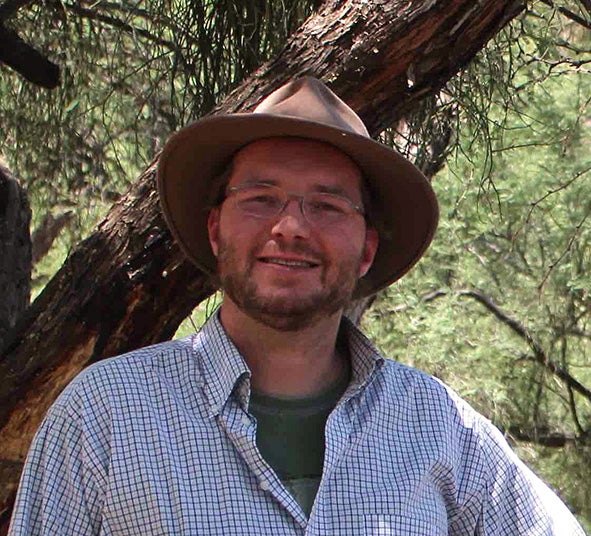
{"x":284,"y":271}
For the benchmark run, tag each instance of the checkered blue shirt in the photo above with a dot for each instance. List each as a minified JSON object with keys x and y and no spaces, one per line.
{"x":160,"y":442}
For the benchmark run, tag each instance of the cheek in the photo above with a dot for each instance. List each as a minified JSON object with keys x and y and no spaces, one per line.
{"x":239,"y":233}
{"x":370,"y":248}
{"x":345,"y":244}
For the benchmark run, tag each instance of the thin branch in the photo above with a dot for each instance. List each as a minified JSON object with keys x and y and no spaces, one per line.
{"x":551,"y":71}
{"x":569,"y":14}
{"x":586,"y":5}
{"x":545,"y":439}
{"x":540,"y":355}
{"x":158,"y":19}
{"x":134,"y":11}
{"x":572,"y":404}
{"x":579,"y":333}
{"x":567,"y":249}
{"x":573,"y":408}
{"x":425,"y":298}
{"x":119,"y":24}
{"x":553,"y":191}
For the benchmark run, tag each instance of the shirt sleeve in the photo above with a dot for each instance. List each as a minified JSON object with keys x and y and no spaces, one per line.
{"x":516,"y":501}
{"x":61,"y":488}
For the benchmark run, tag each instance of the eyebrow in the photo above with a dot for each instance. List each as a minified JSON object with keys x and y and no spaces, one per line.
{"x":336,"y":190}
{"x":257,"y":180}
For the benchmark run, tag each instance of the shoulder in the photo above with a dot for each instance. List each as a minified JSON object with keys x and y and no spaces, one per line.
{"x":435,"y":410}
{"x":427,"y":404}
{"x":123,"y":377}
{"x":421,"y":388}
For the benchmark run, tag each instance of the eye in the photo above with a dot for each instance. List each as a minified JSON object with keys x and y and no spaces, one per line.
{"x":325,"y":204}
{"x":261,"y":199}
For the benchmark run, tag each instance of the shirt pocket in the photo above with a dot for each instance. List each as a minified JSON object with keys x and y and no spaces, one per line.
{"x":399,"y":525}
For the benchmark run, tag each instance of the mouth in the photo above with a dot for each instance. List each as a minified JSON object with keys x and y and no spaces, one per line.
{"x":289,"y":263}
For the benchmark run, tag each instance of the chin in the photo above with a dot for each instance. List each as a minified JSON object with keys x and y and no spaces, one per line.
{"x":289,"y":306}
{"x":293,"y":311}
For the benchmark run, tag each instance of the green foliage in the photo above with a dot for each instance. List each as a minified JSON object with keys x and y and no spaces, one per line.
{"x":515,"y":230}
{"x":131,"y":74}
{"x":199,"y":316}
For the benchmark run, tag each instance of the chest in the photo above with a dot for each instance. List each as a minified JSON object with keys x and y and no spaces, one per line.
{"x":183,"y":474}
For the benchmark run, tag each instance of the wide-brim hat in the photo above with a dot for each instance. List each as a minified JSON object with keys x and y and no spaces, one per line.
{"x":402,"y":197}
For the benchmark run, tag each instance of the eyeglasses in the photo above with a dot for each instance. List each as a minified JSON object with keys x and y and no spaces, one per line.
{"x":267,"y":201}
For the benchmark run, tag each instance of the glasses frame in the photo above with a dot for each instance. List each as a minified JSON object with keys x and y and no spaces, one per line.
{"x":288,"y":197}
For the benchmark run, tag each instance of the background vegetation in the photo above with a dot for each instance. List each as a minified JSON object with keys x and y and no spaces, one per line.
{"x":500,"y":308}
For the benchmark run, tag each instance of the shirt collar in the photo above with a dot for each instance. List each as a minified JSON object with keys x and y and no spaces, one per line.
{"x":223,"y":369}
{"x":221,"y":364}
{"x":365,"y":358}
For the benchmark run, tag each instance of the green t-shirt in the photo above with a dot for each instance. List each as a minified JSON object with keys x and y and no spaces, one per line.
{"x":290,"y":437}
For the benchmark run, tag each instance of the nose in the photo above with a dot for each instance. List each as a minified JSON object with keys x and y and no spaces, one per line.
{"x":291,"y":222}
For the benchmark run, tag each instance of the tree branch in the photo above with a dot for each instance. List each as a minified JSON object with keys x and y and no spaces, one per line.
{"x":133,"y":10}
{"x":119,"y":24}
{"x":425,"y":298}
{"x":586,"y":5}
{"x":553,"y":191}
{"x":48,"y":230}
{"x":538,"y":437}
{"x":578,"y":229}
{"x":27,"y":61}
{"x":569,"y":14}
{"x":540,"y":355}
{"x":579,"y":333}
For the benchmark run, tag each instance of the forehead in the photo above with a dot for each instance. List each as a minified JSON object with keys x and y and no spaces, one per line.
{"x":296,"y":163}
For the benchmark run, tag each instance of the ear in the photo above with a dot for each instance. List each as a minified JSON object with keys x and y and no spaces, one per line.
{"x":213,"y":229}
{"x":372,"y":240}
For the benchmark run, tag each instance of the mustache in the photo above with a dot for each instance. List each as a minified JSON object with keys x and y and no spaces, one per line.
{"x":304,"y":250}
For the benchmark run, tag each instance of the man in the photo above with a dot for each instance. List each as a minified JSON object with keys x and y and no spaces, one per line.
{"x":279,"y":417}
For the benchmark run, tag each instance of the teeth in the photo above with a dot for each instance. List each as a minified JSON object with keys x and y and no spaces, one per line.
{"x":285,"y":262}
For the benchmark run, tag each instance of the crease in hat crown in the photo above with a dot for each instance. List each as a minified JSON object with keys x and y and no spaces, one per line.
{"x":195,"y":155}
{"x":309,"y":99}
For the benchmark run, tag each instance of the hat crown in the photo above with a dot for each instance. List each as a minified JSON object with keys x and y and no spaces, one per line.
{"x":309,"y":99}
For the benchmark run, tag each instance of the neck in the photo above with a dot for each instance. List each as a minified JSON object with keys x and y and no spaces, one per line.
{"x":286,"y":363}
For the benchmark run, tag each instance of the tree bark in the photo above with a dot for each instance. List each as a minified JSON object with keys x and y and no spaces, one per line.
{"x":26,"y":60}
{"x":15,"y":252}
{"x":128,"y":285}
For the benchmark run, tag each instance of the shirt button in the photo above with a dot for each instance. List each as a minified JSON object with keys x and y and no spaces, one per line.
{"x":265,"y":485}
{"x":245,"y":420}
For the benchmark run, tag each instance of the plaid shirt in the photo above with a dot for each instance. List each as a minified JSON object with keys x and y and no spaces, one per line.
{"x":160,"y":442}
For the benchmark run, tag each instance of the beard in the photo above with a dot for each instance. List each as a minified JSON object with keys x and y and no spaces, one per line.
{"x":289,"y":311}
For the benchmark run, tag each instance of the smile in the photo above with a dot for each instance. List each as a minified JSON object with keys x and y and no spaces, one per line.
{"x":292,"y":263}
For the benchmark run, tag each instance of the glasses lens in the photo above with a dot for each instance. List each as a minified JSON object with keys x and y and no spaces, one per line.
{"x":323,"y":208}
{"x":260,"y":200}
{"x":267,"y":201}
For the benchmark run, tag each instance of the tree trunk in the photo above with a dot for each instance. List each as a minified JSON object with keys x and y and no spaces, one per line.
{"x":49,"y":229}
{"x":128,"y":285}
{"x":15,"y":252}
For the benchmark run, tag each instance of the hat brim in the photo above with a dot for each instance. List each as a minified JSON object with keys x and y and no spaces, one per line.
{"x":195,"y":155}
